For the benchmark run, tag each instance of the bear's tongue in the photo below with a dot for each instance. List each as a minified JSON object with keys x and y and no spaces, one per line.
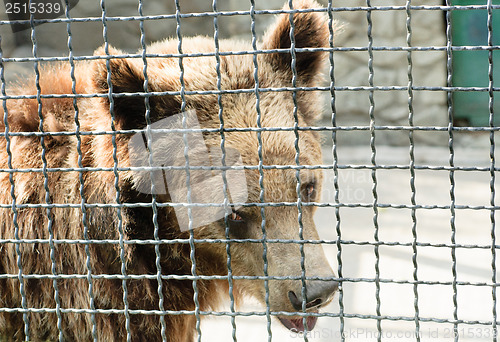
{"x":297,"y":324}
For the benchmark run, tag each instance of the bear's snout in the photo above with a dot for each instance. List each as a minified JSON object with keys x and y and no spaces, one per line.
{"x":318,"y":293}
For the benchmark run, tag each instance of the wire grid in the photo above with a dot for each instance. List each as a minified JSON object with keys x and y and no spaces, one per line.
{"x":333,"y":129}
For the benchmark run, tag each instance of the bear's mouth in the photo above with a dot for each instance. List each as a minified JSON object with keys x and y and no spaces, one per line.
{"x":296,"y":323}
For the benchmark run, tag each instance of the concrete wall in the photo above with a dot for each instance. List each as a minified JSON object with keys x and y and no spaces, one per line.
{"x":351,"y":68}
{"x":391,"y":69}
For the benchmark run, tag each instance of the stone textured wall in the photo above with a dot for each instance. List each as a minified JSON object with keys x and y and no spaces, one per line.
{"x":390,"y":68}
{"x":351,"y":68}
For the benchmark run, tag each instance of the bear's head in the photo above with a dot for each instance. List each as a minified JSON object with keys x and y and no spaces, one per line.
{"x":252,"y":108}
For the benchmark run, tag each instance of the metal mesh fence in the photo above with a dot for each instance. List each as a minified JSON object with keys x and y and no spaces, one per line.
{"x":380,"y":321}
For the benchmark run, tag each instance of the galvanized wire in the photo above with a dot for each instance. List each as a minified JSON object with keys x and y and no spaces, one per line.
{"x":338,"y":229}
{"x":293,"y":66}
{"x":249,"y":204}
{"x":451,"y":160}
{"x":339,"y":241}
{"x":113,"y":134}
{"x":489,"y":23}
{"x":227,"y":207}
{"x":412,"y":170}
{"x":49,"y":215}
{"x":13,"y":206}
{"x":258,"y":12}
{"x":188,"y":178}
{"x":149,"y":144}
{"x":281,"y":89}
{"x":251,"y":313}
{"x":371,"y":114}
{"x":256,"y":91}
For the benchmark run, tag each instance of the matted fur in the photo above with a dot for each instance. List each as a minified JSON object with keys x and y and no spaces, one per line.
{"x":239,"y":110}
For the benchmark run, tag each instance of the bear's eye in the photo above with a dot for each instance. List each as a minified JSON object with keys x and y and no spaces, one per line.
{"x":309,"y":192}
{"x":235,"y":217}
{"x":237,"y":225}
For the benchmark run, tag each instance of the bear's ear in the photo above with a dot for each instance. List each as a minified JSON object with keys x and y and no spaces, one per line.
{"x":310,"y":31}
{"x":125,"y":76}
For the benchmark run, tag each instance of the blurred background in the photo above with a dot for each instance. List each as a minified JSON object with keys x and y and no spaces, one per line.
{"x":390,"y":59}
{"x":351,"y":67}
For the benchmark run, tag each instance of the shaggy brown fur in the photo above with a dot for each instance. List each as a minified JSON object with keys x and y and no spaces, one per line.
{"x":101,"y":222}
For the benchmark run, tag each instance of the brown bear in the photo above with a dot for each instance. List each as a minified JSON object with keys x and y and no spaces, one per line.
{"x":86,"y":254}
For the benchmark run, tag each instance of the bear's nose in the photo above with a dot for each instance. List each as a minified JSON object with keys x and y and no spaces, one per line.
{"x":318,"y":293}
